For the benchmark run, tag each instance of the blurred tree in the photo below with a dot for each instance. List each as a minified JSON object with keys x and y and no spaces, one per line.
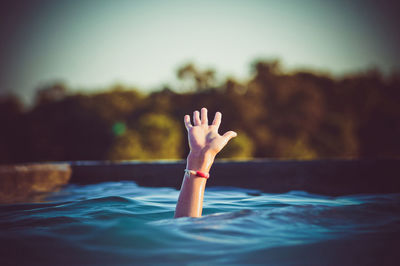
{"x":196,"y":79}
{"x":127,"y":146}
{"x":265,"y":68}
{"x":294,"y":148}
{"x":11,"y":129}
{"x":291,"y":109}
{"x":67,"y":130}
{"x":240,"y":147}
{"x":336,"y":137}
{"x":114,"y":104}
{"x":52,"y":93}
{"x":300,"y":115}
{"x":160,"y":136}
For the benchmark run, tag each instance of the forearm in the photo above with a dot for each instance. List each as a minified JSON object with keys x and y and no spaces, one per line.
{"x":204,"y":143}
{"x":190,"y":201}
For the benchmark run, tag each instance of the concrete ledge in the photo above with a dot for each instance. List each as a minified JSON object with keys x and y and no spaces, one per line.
{"x":327,"y":177}
{"x":31,"y":182}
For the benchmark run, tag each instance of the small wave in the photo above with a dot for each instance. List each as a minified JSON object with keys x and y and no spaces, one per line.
{"x":131,"y":224}
{"x":108,"y":199}
{"x":26,"y":206}
{"x":39,"y":222}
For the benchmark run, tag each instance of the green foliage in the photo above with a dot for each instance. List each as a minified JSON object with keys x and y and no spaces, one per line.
{"x":298,"y":115}
{"x":127,"y":147}
{"x":295,"y":148}
{"x":196,"y":79}
{"x":156,"y":136}
{"x":115,"y":104}
{"x":240,"y":147}
{"x":160,"y":136}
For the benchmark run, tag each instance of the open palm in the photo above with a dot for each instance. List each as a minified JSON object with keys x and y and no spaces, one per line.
{"x":204,"y":137}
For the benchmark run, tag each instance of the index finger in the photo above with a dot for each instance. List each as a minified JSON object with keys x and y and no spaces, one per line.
{"x":217,"y":119}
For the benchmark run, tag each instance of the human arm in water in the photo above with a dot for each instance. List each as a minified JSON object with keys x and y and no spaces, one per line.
{"x":204,"y":143}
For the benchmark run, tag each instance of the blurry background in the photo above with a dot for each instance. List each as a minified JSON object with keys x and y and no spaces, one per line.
{"x":111,"y":80}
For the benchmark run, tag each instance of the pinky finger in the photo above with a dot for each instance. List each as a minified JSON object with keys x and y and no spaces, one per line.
{"x":186,"y":119}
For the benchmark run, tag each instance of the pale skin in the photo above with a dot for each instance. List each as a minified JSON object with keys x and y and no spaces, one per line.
{"x":205,"y":143}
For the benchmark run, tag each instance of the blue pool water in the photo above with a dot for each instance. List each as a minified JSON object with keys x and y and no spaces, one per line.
{"x":122,"y":223}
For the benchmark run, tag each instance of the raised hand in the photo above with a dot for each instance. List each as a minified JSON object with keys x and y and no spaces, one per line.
{"x":205,"y":143}
{"x":204,"y":138}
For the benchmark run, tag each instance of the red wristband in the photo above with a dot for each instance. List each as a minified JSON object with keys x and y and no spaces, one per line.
{"x":198,"y":173}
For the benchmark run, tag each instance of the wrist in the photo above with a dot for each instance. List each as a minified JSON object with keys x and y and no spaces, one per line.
{"x":200,"y":161}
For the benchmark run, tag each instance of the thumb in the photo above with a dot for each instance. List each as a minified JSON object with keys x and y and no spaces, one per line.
{"x":229,"y":135}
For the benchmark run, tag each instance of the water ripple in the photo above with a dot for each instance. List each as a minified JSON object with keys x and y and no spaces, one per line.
{"x":122,"y":223}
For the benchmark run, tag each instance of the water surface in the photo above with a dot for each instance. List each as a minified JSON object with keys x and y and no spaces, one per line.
{"x":122,"y":223}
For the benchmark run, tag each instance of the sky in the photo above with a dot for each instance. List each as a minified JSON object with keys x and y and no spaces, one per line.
{"x":95,"y":44}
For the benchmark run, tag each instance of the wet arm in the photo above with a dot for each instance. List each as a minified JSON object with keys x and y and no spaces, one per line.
{"x":204,"y":143}
{"x":190,"y":201}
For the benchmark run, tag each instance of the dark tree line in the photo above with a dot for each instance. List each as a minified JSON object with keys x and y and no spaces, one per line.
{"x":299,"y":115}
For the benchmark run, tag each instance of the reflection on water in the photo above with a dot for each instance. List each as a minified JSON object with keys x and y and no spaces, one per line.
{"x":120,"y":222}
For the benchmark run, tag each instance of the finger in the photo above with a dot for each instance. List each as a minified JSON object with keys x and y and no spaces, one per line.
{"x":204,"y":116}
{"x":217,"y":119}
{"x":229,"y":135}
{"x":196,"y":118}
{"x":186,"y":119}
